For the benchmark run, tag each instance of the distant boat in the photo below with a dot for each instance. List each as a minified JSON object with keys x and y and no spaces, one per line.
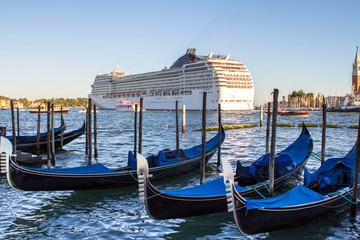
{"x":4,"y":108}
{"x":84,"y":110}
{"x":124,"y":105}
{"x":292,"y":113}
{"x":347,"y":109}
{"x":43,"y":109}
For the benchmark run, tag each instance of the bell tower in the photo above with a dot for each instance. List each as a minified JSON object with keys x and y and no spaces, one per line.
{"x":356,"y":74}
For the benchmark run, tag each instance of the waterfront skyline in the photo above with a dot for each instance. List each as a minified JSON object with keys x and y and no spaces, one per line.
{"x":56,"y":48}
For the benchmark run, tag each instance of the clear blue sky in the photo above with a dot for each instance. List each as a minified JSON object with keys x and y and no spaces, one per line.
{"x":56,"y":48}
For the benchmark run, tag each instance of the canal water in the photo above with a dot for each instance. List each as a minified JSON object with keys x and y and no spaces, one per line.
{"x":119,"y":214}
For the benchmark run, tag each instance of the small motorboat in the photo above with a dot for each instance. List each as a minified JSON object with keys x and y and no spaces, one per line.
{"x":124,"y":105}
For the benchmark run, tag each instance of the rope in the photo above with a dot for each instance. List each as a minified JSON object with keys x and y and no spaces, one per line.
{"x":315,"y":156}
{"x":336,"y":193}
{"x":257,"y":191}
{"x":131,"y":175}
{"x":264,"y":186}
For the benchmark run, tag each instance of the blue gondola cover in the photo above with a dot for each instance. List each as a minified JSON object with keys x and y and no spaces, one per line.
{"x":90,"y":169}
{"x":296,"y":196}
{"x":196,"y":151}
{"x":212,"y":188}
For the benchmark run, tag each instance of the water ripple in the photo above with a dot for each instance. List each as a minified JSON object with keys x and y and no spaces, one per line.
{"x":118,"y":213}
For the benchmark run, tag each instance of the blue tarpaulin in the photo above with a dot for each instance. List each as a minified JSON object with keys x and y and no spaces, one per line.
{"x":196,"y":151}
{"x":296,"y":196}
{"x":90,"y":169}
{"x":285,"y":162}
{"x":212,"y":188}
{"x":167,"y":157}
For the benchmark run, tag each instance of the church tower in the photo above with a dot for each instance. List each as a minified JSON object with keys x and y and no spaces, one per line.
{"x":356,"y":74}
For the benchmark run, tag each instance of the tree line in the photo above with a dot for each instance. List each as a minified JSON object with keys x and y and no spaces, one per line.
{"x":300,"y":99}
{"x":65,"y":102}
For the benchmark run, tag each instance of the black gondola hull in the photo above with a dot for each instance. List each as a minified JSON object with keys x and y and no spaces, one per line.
{"x":32,"y":180}
{"x":67,"y":138}
{"x":161,"y":206}
{"x":255,"y":221}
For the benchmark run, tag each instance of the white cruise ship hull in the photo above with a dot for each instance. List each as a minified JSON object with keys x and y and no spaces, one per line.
{"x":235,"y":100}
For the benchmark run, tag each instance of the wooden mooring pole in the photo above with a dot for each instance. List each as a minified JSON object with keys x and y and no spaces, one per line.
{"x":177,"y":123}
{"x":18,"y":121}
{"x":203,"y":140}
{"x":52,"y":135}
{"x":268,"y":128}
{"x":356,"y":175}
{"x":62,"y":129}
{"x":87,"y":131}
{"x":48,"y":135}
{"x":95,"y":133}
{"x":38,"y":132}
{"x":13,"y":125}
{"x":140,"y":124}
{"x":3,"y":131}
{"x":135,"y":129}
{"x":261,"y":116}
{"x":219,"y":135}
{"x":183,"y":118}
{"x":89,"y":135}
{"x":273,"y":139}
{"x":323,"y":135}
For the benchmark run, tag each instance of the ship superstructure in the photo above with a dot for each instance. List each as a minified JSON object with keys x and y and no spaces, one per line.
{"x":225,"y":80}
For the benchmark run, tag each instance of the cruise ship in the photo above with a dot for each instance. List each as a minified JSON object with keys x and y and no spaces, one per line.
{"x":225,"y":80}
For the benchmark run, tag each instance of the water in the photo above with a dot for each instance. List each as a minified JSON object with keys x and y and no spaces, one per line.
{"x":118,"y":214}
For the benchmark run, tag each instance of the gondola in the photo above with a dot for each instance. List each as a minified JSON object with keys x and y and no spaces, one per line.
{"x":210,"y":197}
{"x":30,"y":146}
{"x":5,"y":151}
{"x":324,"y":193}
{"x":32,"y":138}
{"x":163,"y":165}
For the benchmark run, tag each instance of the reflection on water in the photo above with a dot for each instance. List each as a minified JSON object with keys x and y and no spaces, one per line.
{"x":117,"y":213}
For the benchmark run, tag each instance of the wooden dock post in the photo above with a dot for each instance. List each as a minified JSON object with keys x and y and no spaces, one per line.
{"x":89,"y":135}
{"x":261,"y":116}
{"x":203,"y":140}
{"x":52,"y":135}
{"x":95,"y":133}
{"x":140,"y":124}
{"x":183,"y":118}
{"x":62,"y":129}
{"x":13,"y":125}
{"x":135,"y":129}
{"x":177,"y":123}
{"x":18,"y":121}
{"x":273,"y":139}
{"x":268,"y":128}
{"x":87,"y":131}
{"x":219,"y":134}
{"x":38,"y":133}
{"x":3,"y":131}
{"x":323,"y":135}
{"x":356,"y":175}
{"x":48,"y":134}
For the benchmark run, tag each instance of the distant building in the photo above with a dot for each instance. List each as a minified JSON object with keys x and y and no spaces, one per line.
{"x":4,"y":103}
{"x":356,"y":74}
